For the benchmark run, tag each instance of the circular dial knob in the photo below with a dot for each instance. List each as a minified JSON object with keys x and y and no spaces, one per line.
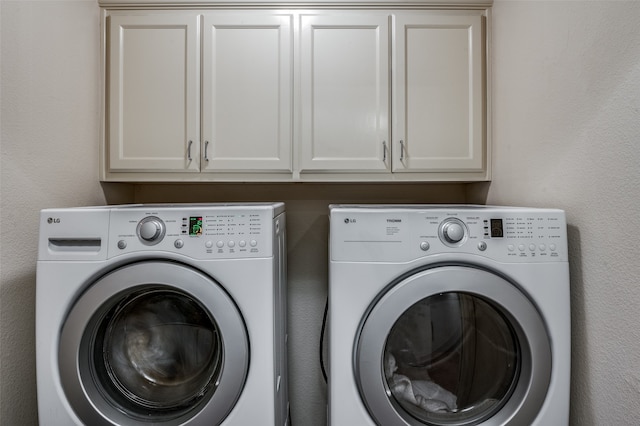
{"x":452,"y":231}
{"x":151,"y":230}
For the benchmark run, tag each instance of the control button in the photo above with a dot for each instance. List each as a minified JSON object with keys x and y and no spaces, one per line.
{"x":482,"y":246}
{"x":532,"y":247}
{"x":242,"y":243}
{"x":511,"y":247}
{"x":231,"y":243}
{"x":220,"y":244}
{"x":151,"y":230}
{"x":521,"y":247}
{"x":542,"y":247}
{"x":552,"y":247}
{"x":208,"y":244}
{"x":424,"y":246}
{"x":178,"y":244}
{"x":253,"y":243}
{"x":122,"y":244}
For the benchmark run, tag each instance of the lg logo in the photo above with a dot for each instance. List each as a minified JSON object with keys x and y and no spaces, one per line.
{"x":53,"y":220}
{"x":347,"y":220}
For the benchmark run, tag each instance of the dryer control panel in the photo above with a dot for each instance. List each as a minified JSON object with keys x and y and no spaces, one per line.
{"x":404,"y":233}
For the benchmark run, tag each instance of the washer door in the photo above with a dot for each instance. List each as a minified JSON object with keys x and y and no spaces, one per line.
{"x":453,"y":345}
{"x":155,"y":342}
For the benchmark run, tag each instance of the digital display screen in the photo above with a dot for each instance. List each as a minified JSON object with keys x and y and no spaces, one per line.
{"x":195,"y":226}
{"x":496,"y":228}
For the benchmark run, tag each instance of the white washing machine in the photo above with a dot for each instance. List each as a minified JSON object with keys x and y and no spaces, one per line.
{"x":162,"y":314}
{"x":448,"y":315}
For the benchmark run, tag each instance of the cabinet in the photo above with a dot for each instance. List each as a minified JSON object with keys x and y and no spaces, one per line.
{"x":296,"y":94}
{"x":153,"y":93}
{"x":246,"y":93}
{"x":435,"y":60}
{"x":193,"y":93}
{"x":344,"y":97}
{"x":439,"y":102}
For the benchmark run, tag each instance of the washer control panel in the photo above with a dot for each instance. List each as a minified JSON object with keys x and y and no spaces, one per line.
{"x":389,"y":233}
{"x":198,"y":232}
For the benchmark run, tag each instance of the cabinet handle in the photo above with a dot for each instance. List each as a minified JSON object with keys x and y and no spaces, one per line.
{"x":401,"y":150}
{"x":189,"y":150}
{"x":206,"y":148}
{"x":384,"y":151}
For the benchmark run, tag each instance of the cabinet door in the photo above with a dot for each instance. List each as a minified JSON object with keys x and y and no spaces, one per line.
{"x":153,"y":92}
{"x":247,"y":112}
{"x":344,"y":92}
{"x":438,"y":104}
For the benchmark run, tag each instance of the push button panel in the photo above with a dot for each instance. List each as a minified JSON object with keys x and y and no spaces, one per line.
{"x":404,"y":234}
{"x":506,"y":235}
{"x":530,"y":236}
{"x":201,"y":233}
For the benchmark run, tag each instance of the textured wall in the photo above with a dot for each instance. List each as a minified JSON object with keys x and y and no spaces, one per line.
{"x":566,"y":120}
{"x":49,"y":157}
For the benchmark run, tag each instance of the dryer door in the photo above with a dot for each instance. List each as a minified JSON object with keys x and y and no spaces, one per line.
{"x":453,"y":345}
{"x":153,"y":342}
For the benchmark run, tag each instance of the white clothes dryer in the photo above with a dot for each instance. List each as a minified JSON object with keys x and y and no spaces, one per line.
{"x":162,"y":314}
{"x":448,"y":315}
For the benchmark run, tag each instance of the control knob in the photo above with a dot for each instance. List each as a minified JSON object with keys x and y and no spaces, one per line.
{"x":452,"y":231}
{"x":151,"y":230}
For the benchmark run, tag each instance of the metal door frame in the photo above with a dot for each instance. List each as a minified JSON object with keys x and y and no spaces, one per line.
{"x":532,"y":385}
{"x":77,"y":375}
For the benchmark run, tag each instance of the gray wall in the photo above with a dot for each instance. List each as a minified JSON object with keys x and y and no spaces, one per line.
{"x":566,"y":102}
{"x":566,"y":120}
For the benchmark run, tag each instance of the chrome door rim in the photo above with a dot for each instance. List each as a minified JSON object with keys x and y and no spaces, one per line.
{"x":531,"y":387}
{"x":78,"y":376}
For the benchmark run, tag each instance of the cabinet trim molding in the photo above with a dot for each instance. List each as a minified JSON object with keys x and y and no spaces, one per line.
{"x":297,"y":4}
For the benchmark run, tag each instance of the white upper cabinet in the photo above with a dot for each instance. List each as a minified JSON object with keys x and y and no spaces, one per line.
{"x":278,"y":93}
{"x":153,"y":93}
{"x":439,"y":104}
{"x":246,"y":92}
{"x":344,"y":95}
{"x":177,"y":107}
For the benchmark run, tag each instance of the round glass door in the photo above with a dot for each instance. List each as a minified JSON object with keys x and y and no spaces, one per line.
{"x":153,"y":342}
{"x":451,"y":357}
{"x":453,"y":345}
{"x":158,"y":349}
